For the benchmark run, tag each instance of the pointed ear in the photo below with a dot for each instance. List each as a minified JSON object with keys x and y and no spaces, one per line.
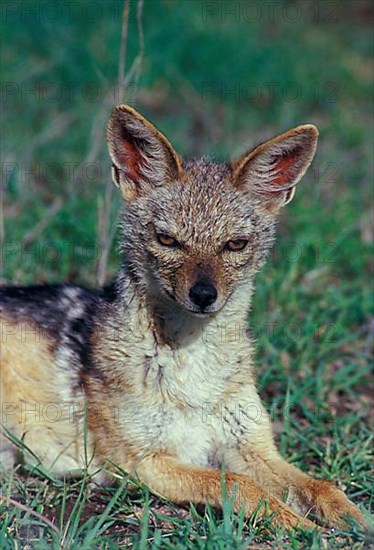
{"x":142,"y":157}
{"x":272,"y":170}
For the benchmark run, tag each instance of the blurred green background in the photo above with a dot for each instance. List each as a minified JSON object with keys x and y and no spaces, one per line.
{"x":216,"y":78}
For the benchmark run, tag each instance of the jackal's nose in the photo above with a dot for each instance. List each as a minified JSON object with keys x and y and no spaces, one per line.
{"x":203,"y":294}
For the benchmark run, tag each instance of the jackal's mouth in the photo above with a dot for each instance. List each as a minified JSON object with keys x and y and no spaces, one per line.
{"x":190,"y":308}
{"x":203,"y":313}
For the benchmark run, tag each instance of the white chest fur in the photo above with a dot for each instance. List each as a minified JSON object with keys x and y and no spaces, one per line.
{"x":183,"y":408}
{"x":193,"y":392}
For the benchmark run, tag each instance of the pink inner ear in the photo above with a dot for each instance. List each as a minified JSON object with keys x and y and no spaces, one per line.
{"x":131,"y":159}
{"x":284,"y":174}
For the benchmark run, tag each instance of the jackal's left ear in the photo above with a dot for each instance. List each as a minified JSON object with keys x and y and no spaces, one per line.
{"x":272,"y":170}
{"x":142,"y":157}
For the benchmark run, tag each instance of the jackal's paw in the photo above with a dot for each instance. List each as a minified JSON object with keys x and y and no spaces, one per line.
{"x":288,"y":519}
{"x":333,"y":506}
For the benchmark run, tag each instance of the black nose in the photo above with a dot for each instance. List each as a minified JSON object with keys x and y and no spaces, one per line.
{"x":203,"y":294}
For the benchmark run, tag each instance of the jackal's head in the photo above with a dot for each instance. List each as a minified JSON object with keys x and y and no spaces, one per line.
{"x":195,"y":231}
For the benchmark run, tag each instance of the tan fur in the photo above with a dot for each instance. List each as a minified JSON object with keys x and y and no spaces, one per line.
{"x":37,"y":402}
{"x":169,"y":382}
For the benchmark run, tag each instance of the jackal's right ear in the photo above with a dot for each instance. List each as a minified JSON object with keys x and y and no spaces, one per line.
{"x":142,"y":156}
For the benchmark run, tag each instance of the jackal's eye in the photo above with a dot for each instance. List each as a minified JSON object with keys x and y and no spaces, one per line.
{"x":236,"y":245}
{"x":167,"y":240}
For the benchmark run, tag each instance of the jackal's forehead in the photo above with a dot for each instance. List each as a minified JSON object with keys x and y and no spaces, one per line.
{"x":205,"y":206}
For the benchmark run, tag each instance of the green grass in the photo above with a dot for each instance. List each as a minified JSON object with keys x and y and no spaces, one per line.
{"x":312,"y":313}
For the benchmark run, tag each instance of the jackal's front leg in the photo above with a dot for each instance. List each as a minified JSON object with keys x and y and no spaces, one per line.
{"x":183,"y":483}
{"x":301,"y":492}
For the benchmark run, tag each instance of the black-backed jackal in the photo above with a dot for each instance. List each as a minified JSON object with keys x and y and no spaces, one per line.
{"x":155,"y":361}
